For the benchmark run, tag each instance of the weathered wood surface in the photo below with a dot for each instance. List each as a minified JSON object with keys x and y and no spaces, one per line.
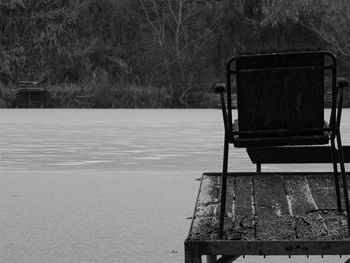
{"x":271,"y":247}
{"x":244,"y":207}
{"x":29,"y":86}
{"x":206,"y":209}
{"x":272,"y":208}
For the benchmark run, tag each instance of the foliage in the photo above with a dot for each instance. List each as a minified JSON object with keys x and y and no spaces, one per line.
{"x":7,"y":96}
{"x":330,"y":20}
{"x":150,"y":53}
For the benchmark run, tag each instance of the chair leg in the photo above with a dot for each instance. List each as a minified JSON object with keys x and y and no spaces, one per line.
{"x":258,"y":168}
{"x":223,"y":187}
{"x":343,"y":174}
{"x":211,"y":259}
{"x":336,"y":177}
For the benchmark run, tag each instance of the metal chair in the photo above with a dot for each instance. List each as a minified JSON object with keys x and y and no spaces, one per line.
{"x":280,"y":102}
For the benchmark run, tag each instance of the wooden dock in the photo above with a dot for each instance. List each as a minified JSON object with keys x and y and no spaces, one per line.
{"x":268,"y":214}
{"x":30,"y":91}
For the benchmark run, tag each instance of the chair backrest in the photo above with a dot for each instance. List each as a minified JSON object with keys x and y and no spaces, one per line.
{"x":280,"y":91}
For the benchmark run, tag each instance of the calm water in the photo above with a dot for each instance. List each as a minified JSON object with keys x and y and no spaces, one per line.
{"x":109,"y":185}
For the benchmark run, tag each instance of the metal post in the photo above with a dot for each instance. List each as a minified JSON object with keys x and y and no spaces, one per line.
{"x":343,"y":174}
{"x":223,"y":187}
{"x":335,"y":169}
{"x":258,"y":167}
{"x":341,"y":155}
{"x":224,"y":168}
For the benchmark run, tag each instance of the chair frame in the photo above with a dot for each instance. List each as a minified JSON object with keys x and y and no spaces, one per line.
{"x":333,"y":129}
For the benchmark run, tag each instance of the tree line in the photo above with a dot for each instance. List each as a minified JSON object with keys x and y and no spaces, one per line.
{"x":154,"y":53}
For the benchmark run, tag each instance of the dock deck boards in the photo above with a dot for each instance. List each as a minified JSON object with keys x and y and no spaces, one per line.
{"x":269,"y":214}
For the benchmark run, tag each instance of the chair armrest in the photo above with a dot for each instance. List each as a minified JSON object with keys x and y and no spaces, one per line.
{"x":220,"y":87}
{"x":342,"y":83}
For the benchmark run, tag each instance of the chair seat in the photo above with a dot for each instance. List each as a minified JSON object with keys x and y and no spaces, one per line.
{"x":281,"y":141}
{"x":278,"y":140}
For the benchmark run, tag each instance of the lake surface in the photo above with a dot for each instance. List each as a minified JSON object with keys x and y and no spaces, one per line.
{"x":110,"y":185}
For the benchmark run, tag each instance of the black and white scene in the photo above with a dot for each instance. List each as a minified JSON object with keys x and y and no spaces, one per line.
{"x":169,"y":131}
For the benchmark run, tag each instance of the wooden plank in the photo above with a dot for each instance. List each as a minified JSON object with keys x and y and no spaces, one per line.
{"x":230,"y":233}
{"x":323,"y":186}
{"x":244,"y":208}
{"x":336,"y":224}
{"x":300,"y":199}
{"x":323,"y":191}
{"x":234,"y":247}
{"x":204,"y":221}
{"x":208,"y":198}
{"x":308,"y":226}
{"x":30,"y":89}
{"x":273,"y":221}
{"x":230,"y":196}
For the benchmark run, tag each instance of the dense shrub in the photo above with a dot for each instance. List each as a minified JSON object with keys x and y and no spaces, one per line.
{"x":145,"y":53}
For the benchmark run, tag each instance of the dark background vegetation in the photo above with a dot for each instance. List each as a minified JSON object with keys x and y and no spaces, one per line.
{"x":153,"y":53}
